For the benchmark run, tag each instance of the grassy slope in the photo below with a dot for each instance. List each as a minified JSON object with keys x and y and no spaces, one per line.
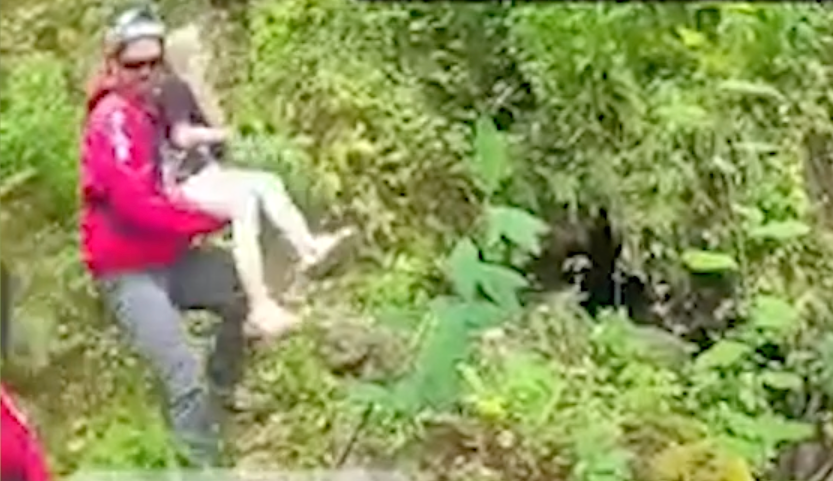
{"x":392,"y":120}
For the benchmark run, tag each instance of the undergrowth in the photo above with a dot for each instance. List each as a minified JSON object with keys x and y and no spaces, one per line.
{"x":453,"y":134}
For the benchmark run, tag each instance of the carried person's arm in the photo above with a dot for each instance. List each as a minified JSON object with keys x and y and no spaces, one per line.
{"x":187,"y":136}
{"x":188,"y":126}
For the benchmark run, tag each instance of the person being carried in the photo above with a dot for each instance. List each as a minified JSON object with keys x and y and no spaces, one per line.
{"x":194,"y":175}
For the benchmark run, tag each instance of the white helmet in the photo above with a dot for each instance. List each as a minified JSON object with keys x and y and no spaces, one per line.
{"x":135,"y":23}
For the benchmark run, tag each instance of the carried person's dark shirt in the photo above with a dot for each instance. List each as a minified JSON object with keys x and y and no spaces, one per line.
{"x":178,"y":104}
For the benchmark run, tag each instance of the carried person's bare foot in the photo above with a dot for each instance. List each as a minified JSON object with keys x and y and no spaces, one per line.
{"x":269,"y":319}
{"x":326,"y":250}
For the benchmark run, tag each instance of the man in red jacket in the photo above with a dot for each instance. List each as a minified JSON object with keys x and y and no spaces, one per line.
{"x":21,"y":457}
{"x":138,"y":244}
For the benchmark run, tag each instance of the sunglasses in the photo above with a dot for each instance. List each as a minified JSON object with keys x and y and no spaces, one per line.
{"x":152,"y":64}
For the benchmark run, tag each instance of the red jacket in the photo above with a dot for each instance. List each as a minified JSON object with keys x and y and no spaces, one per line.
{"x":127,"y":223}
{"x":22,"y":457}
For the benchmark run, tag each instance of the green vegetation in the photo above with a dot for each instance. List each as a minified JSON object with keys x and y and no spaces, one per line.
{"x":452,"y":134}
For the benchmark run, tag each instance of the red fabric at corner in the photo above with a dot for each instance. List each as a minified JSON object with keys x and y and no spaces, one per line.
{"x":21,"y":457}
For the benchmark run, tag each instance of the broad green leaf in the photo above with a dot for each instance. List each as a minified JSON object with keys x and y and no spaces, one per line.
{"x":738,"y":446}
{"x":705,"y":261}
{"x":491,"y":159}
{"x":468,"y":272}
{"x":436,"y":378}
{"x":435,"y":381}
{"x":786,"y":431}
{"x":774,"y":430}
{"x":744,"y":87}
{"x":501,"y":285}
{"x":723,"y":354}
{"x":773,"y":313}
{"x":405,"y":397}
{"x":463,"y":266}
{"x":786,"y":381}
{"x":780,"y":231}
{"x":518,"y":226}
{"x":475,"y":315}
{"x":691,"y":38}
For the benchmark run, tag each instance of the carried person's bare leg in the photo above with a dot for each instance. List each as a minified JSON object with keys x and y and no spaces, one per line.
{"x":218,"y":191}
{"x":266,"y":316}
{"x":285,"y":216}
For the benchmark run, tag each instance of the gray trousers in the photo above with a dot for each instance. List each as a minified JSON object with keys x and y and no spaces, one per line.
{"x":147,"y":305}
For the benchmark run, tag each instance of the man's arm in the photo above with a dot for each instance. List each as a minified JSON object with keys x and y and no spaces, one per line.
{"x":129,"y":182}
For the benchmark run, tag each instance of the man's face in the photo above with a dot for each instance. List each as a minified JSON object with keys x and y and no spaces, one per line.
{"x":139,"y":65}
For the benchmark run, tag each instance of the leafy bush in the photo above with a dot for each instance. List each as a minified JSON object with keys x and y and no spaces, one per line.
{"x":448,"y":133}
{"x":39,"y":131}
{"x":359,"y":116}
